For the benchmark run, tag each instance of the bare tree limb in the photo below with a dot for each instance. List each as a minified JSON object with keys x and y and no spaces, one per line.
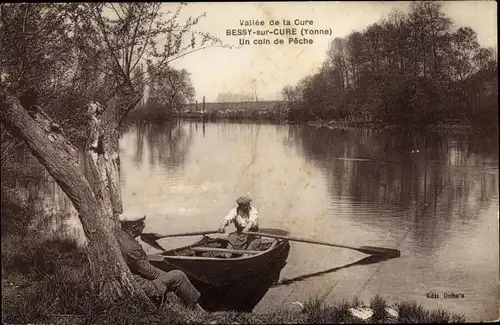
{"x":148,"y":35}
{"x":101,"y":25}
{"x":133,"y":41}
{"x":111,"y":277}
{"x":116,"y":12}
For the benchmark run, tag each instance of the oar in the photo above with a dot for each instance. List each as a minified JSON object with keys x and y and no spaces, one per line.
{"x":155,"y":236}
{"x":151,"y":238}
{"x":371,"y":250}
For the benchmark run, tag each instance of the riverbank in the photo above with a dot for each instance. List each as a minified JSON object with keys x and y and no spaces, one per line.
{"x":46,"y":283}
{"x":436,"y":127}
{"x":21,"y":306}
{"x":332,"y":124}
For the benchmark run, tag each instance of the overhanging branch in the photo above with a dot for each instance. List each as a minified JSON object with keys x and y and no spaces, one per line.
{"x":126,"y":99}
{"x":54,"y":152}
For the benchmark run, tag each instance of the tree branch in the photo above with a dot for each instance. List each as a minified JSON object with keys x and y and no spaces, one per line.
{"x":110,"y":275}
{"x":127,"y":99}
{"x":51,"y":21}
{"x":133,"y":40}
{"x":116,"y":12}
{"x":148,"y":35}
{"x":100,"y":22}
{"x":54,"y":152}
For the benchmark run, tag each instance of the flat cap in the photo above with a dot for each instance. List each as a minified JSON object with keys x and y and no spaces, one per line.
{"x":243,"y":200}
{"x":131,"y":217}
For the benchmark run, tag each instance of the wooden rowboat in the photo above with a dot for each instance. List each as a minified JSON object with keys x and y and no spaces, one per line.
{"x":228,"y":279}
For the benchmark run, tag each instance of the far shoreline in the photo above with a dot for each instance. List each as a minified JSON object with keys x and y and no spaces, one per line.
{"x":328,"y":124}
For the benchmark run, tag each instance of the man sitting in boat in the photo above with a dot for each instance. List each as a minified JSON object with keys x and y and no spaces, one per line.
{"x":245,"y":218}
{"x":156,"y":283}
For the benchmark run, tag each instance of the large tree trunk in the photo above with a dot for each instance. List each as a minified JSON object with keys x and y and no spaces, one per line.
{"x":97,"y":198}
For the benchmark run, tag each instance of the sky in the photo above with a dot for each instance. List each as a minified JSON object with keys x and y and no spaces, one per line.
{"x":266,"y":69}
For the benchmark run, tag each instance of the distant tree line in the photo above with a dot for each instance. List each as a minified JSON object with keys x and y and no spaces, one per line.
{"x":167,"y":92}
{"x":70,"y":73}
{"x":228,"y":97}
{"x":408,"y":68}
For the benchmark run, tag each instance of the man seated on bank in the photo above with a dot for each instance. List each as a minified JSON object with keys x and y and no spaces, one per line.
{"x":245,"y":218}
{"x":156,"y":283}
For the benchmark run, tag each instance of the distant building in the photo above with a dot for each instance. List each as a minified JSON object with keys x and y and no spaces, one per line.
{"x":239,"y":106}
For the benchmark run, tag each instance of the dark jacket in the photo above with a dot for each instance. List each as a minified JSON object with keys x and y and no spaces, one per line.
{"x":136,"y":257}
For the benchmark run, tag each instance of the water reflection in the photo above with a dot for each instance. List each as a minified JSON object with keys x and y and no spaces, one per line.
{"x":432,"y":195}
{"x":168,"y":143}
{"x":364,"y":261}
{"x":438,"y":177}
{"x":371,"y":162}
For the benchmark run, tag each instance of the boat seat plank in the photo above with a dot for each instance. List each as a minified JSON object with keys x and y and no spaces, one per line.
{"x":224,"y":250}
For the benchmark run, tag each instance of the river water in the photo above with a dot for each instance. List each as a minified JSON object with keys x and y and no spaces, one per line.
{"x":434,"y":196}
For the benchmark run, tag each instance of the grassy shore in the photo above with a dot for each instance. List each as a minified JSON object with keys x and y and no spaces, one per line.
{"x":46,"y":283}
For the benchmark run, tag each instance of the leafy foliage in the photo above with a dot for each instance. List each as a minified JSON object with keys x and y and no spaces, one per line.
{"x":170,"y":89}
{"x":56,"y":58}
{"x":61,"y":56}
{"x":405,"y":69}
